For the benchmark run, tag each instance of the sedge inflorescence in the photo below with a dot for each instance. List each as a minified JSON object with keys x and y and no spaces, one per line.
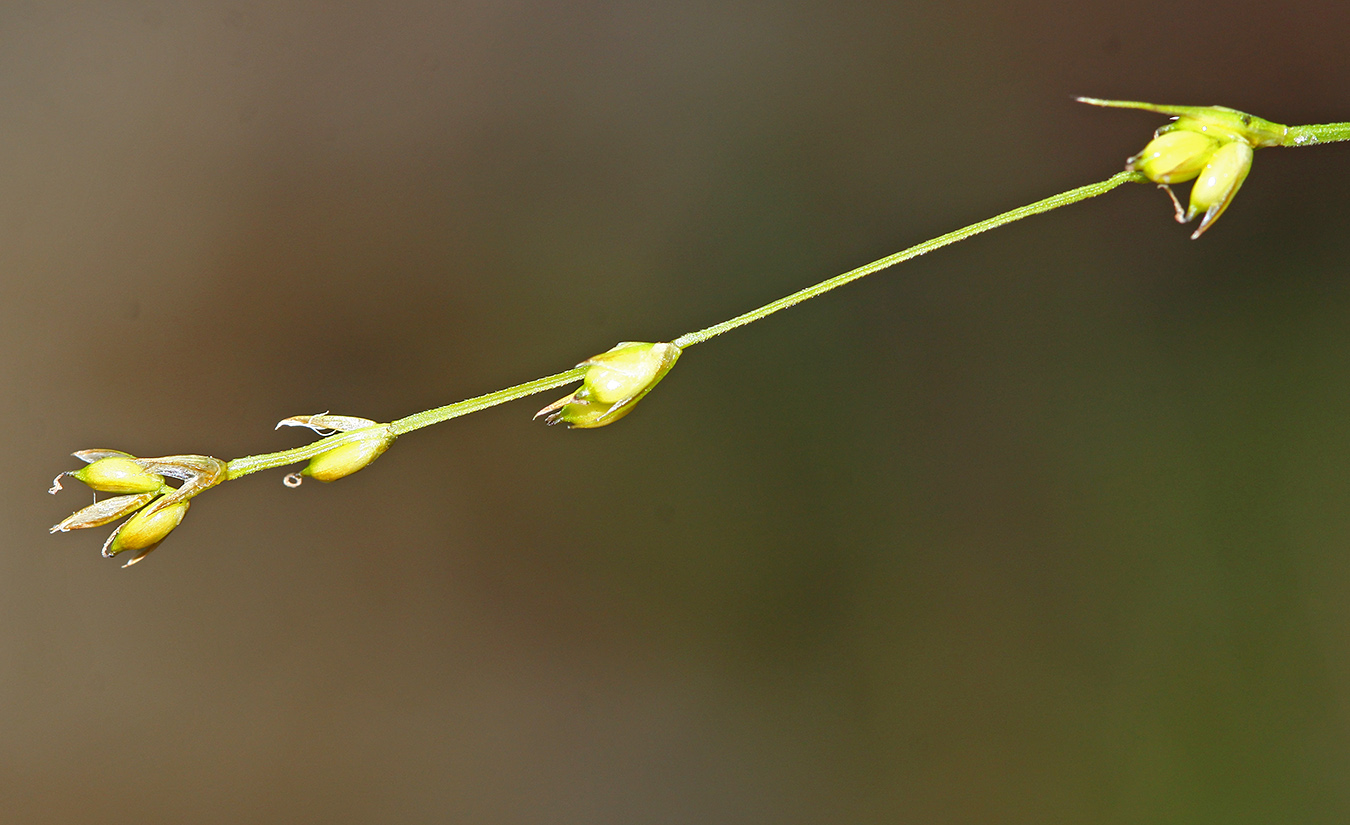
{"x":1210,"y":145}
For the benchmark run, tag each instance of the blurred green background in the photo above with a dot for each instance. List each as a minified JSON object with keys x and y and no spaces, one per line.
{"x":1052,"y":526}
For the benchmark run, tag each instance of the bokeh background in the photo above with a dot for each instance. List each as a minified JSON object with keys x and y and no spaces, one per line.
{"x":1050,"y":526}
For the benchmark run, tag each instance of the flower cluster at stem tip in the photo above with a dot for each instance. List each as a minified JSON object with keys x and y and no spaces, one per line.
{"x":1212,"y":145}
{"x":142,"y":489}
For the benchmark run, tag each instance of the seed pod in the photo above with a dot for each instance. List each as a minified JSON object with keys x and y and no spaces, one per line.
{"x":615,"y":381}
{"x":144,"y":531}
{"x":1174,"y":157}
{"x":1219,"y":183}
{"x":118,"y":474}
{"x":351,"y":456}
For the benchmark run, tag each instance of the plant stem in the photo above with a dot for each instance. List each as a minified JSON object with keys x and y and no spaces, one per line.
{"x":1316,"y":133}
{"x":1092,"y":190}
{"x":425,"y":419}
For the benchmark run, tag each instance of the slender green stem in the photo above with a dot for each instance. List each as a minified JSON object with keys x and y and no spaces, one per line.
{"x":1316,"y":133}
{"x":1063,"y":199}
{"x":425,"y":419}
{"x":253,"y":463}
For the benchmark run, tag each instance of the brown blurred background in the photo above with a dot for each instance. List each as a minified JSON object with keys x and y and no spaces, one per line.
{"x":1049,"y":527}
